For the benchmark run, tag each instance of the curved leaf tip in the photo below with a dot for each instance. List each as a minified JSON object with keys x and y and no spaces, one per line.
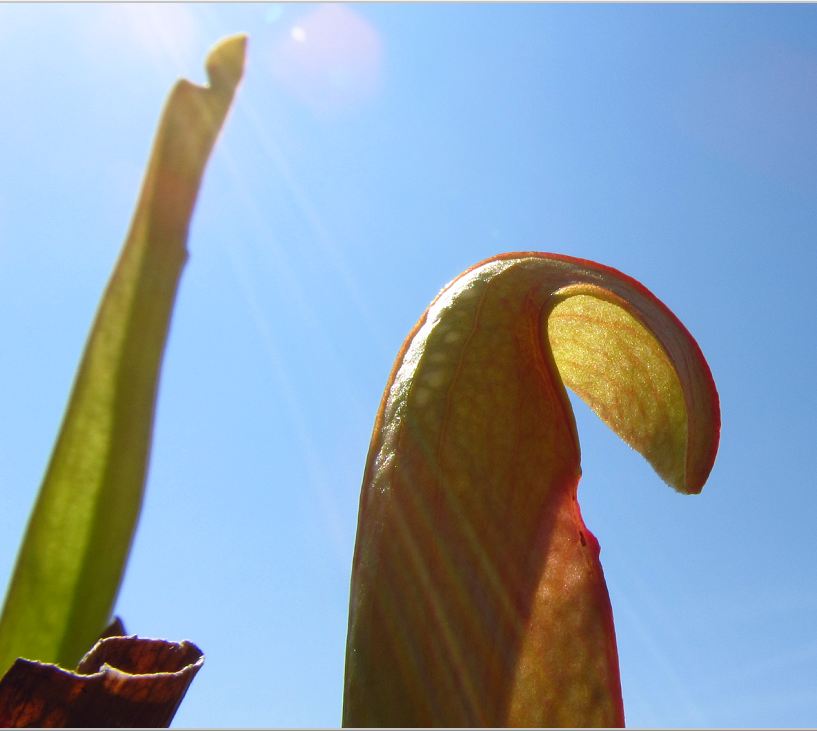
{"x":628,"y":356}
{"x":225,"y":62}
{"x":639,"y":369}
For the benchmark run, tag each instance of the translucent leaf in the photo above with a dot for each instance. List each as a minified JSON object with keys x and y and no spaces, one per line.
{"x":617,"y":363}
{"x":477,"y":594}
{"x":74,"y":552}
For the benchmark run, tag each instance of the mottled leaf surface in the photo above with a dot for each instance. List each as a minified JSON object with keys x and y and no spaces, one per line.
{"x":477,"y":594}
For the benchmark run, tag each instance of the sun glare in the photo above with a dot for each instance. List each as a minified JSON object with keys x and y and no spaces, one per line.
{"x":167,"y":34}
{"x":330,"y":60}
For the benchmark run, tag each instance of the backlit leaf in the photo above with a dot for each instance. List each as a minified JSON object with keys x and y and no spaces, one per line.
{"x":477,"y":593}
{"x":74,"y":552}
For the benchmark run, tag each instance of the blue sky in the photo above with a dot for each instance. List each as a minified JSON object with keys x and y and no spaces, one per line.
{"x":374,"y":152}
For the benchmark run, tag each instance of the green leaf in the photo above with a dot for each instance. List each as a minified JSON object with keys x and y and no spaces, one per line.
{"x":74,"y":552}
{"x":636,"y":366}
{"x":477,"y":596}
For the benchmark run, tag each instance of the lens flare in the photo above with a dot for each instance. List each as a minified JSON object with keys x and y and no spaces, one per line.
{"x":330,"y":59}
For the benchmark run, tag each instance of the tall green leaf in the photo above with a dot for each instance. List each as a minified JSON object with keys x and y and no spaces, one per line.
{"x":74,"y":553}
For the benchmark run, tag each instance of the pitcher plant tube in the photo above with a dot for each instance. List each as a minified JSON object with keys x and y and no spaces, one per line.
{"x":477,"y":595}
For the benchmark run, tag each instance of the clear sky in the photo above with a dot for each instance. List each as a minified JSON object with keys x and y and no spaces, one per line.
{"x":374,"y":152}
